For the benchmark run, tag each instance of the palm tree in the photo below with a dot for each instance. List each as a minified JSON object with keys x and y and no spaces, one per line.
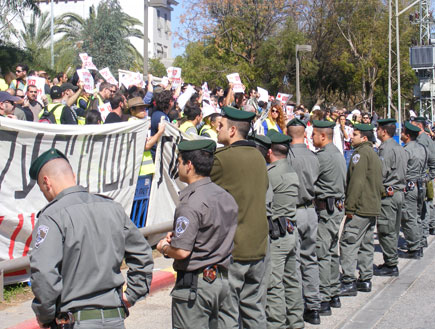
{"x":9,"y":10}
{"x":35,"y":34}
{"x":94,"y":34}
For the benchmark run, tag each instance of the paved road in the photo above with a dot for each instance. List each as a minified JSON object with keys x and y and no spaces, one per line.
{"x":406,"y":302}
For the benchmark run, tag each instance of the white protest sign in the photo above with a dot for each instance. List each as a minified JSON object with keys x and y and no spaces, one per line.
{"x":205,"y":91}
{"x":88,"y":81}
{"x":264,"y":94}
{"x":283,"y":98}
{"x":174,"y":76}
{"x":39,"y":83}
{"x":128,"y":78}
{"x":184,"y":97}
{"x":107,"y":75}
{"x":87,"y":62}
{"x":234,"y":78}
{"x":105,"y":158}
{"x":208,"y":109}
{"x":105,"y":109}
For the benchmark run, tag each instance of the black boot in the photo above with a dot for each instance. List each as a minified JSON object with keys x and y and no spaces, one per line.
{"x":410,"y":254}
{"x":335,"y":302}
{"x":432,"y":231}
{"x":325,"y":309}
{"x":364,"y":286}
{"x":348,"y":289}
{"x":384,"y":270}
{"x":312,"y":316}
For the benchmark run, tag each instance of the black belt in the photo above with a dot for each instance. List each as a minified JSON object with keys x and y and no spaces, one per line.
{"x":308,"y":204}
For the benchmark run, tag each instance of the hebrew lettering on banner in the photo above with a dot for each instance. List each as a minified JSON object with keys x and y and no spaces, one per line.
{"x":105,"y":158}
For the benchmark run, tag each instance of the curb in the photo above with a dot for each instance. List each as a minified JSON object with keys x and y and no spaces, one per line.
{"x":161,"y":279}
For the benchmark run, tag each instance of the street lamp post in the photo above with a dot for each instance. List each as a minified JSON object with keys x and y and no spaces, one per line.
{"x":145,"y":40}
{"x":298,"y":92}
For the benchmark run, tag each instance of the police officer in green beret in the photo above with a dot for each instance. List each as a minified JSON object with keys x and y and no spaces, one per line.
{"x":240,"y":169}
{"x":394,"y":162}
{"x":416,"y":168}
{"x":284,"y":305}
{"x":78,"y":246}
{"x":306,"y":165}
{"x":426,"y":206}
{"x":329,"y":189}
{"x":362,"y":206}
{"x":201,"y":243}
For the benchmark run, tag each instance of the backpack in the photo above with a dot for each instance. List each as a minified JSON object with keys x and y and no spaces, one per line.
{"x":48,"y":116}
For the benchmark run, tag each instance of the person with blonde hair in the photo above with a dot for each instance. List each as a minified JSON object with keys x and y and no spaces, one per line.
{"x":275,"y":119}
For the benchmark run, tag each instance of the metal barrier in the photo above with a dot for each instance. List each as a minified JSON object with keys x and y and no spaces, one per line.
{"x":139,"y":209}
{"x":23,"y":263}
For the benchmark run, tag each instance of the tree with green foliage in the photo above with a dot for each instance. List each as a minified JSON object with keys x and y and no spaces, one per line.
{"x":104,"y":35}
{"x":10,"y":10}
{"x":156,"y":67}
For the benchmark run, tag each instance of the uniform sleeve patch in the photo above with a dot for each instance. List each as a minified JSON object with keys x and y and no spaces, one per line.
{"x":355,"y":158}
{"x":41,"y":235}
{"x":181,"y":225}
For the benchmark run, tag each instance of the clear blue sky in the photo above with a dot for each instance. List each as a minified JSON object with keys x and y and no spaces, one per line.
{"x":176,"y":26}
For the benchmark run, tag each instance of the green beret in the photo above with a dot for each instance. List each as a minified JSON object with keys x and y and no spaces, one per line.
{"x":323,"y":124}
{"x":40,"y":161}
{"x":278,"y":138}
{"x":237,"y":115}
{"x":260,"y":140}
{"x":364,"y":127}
{"x":198,"y":144}
{"x":384,"y":122}
{"x":296,"y":122}
{"x":419,"y":119}
{"x":408,"y":125}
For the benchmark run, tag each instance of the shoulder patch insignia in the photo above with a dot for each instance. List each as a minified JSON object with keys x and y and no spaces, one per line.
{"x":181,"y":225}
{"x":355,"y":158}
{"x":41,"y":235}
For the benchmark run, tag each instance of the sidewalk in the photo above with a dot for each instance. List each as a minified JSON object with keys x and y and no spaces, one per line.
{"x":22,"y":316}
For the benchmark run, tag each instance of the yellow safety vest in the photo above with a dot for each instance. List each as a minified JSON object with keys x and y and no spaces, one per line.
{"x":271,"y":125}
{"x":3,"y":85}
{"x":81,"y":120}
{"x":147,"y":167}
{"x":186,"y":125}
{"x":207,"y":129}
{"x":57,"y":112}
{"x":16,"y":85}
{"x":100,"y":100}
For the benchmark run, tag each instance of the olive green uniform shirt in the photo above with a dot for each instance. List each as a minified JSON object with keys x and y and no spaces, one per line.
{"x":394,"y":162}
{"x":204,"y":223}
{"x":79,"y":243}
{"x":332,"y":176}
{"x":306,"y":165}
{"x":285,"y":183}
{"x":429,"y":144}
{"x":240,"y":169}
{"x":416,"y":161}
{"x":364,"y":182}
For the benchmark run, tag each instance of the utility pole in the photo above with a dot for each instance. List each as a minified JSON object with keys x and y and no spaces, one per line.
{"x":145,"y":40}
{"x":298,"y":91}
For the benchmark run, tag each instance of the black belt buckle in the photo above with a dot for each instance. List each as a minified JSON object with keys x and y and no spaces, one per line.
{"x":210,"y":273}
{"x":65,"y":320}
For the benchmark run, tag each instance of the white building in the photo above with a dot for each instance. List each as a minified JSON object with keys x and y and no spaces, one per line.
{"x":159,"y":21}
